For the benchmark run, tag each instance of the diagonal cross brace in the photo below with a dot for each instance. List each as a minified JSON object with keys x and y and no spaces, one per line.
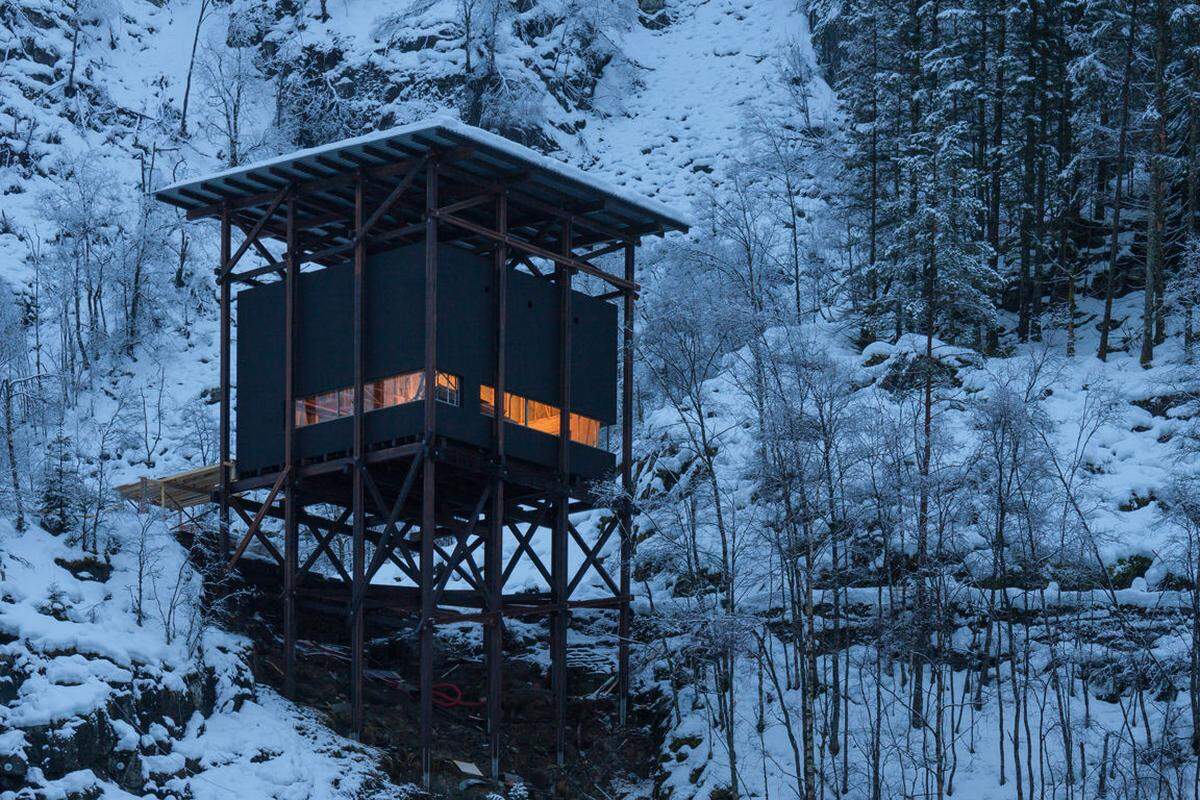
{"x":453,"y":563}
{"x":591,"y":556}
{"x":258,"y":518}
{"x":384,"y":548}
{"x":462,"y":551}
{"x":396,"y":193}
{"x":389,"y":524}
{"x":253,"y":233}
{"x":260,"y":535}
{"x":409,"y":568}
{"x":407,"y":565}
{"x":323,"y":544}
{"x":323,"y":547}
{"x":524,"y":546}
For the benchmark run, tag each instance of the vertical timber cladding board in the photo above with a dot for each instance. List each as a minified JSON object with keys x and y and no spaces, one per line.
{"x":393,"y":344}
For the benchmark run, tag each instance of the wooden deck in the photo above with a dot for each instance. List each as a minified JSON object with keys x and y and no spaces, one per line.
{"x":176,"y":492}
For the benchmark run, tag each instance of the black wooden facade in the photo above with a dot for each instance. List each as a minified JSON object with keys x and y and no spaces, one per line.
{"x":394,"y":341}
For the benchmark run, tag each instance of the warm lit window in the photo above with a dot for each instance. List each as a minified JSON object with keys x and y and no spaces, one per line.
{"x":514,"y":408}
{"x":487,"y":400}
{"x":394,"y":390}
{"x":542,"y":417}
{"x":585,"y":430}
{"x":318,"y":408}
{"x":539,"y":416}
{"x":397,"y":389}
{"x":514,"y":405}
{"x":446,"y":388}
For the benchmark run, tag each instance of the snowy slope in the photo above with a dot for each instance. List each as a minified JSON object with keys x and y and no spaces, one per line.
{"x":96,"y":702}
{"x":699,"y":78}
{"x":665,"y":124}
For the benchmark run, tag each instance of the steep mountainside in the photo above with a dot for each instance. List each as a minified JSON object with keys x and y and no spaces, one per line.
{"x":869,"y":564}
{"x":137,"y":688}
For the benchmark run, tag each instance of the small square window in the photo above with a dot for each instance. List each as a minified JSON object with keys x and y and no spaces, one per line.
{"x":487,"y":400}
{"x":446,"y":390}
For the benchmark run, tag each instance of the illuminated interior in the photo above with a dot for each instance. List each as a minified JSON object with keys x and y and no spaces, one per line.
{"x":539,"y":416}
{"x":394,"y":390}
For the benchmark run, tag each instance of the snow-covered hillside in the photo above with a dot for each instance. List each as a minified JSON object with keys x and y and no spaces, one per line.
{"x":883,"y":551}
{"x":100,"y":704}
{"x":91,"y":99}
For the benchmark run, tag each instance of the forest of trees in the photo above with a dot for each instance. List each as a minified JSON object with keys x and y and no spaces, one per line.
{"x":875,"y":548}
{"x":917,"y":562}
{"x":1019,"y":156}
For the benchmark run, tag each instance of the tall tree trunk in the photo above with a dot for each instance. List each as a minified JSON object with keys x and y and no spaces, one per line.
{"x":997,"y":149}
{"x":1028,"y":178}
{"x":1040,"y":288}
{"x":1067,"y":176}
{"x":1193,"y":191}
{"x":187,"y":83}
{"x":835,"y":533}
{"x":12,"y":453}
{"x":1122,"y":147}
{"x":921,"y":599}
{"x":1194,"y":664}
{"x":1153,"y":323}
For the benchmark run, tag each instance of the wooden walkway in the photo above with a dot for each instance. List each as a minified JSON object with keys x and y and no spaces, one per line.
{"x":175,"y":492}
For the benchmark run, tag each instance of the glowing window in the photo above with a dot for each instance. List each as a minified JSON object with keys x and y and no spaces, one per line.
{"x":514,"y":405}
{"x":446,"y":388}
{"x":394,"y":390}
{"x":585,"y":430}
{"x":542,"y":417}
{"x":318,"y":408}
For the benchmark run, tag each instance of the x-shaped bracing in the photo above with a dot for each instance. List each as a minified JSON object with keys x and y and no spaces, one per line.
{"x":386,"y":545}
{"x":591,"y":556}
{"x":255,"y":525}
{"x":464,"y":550}
{"x":323,"y":546}
{"x":525,"y":545}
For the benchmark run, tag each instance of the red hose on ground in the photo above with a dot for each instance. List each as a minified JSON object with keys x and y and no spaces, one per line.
{"x":449,"y":695}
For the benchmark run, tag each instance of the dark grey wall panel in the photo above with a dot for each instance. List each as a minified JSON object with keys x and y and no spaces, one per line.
{"x":394,"y":343}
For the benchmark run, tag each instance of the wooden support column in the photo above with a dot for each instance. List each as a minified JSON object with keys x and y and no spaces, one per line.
{"x":558,"y":544}
{"x":625,"y":512}
{"x":493,"y":556}
{"x":428,"y":484}
{"x":226,"y":334}
{"x":358,"y":510}
{"x":291,"y":532}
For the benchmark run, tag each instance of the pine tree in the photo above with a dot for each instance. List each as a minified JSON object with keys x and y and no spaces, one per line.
{"x":58,"y":506}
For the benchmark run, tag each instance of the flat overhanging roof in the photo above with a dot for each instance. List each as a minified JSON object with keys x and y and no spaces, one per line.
{"x":539,"y":188}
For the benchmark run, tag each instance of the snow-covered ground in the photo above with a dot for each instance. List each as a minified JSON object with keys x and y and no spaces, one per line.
{"x":666,"y":123}
{"x":101,"y":702}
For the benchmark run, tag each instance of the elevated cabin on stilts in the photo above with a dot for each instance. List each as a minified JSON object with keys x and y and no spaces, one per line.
{"x":430,"y":255}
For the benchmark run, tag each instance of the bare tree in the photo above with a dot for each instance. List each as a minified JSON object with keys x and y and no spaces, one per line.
{"x":230,"y":84}
{"x":110,"y":435}
{"x":147,"y":554}
{"x":201,"y":16}
{"x":83,"y":207}
{"x":151,"y":415}
{"x":80,"y":15}
{"x":199,"y":425}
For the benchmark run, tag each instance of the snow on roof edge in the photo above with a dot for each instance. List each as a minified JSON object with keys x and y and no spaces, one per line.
{"x":470,"y":132}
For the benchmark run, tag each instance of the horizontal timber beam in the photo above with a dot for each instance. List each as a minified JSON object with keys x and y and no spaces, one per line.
{"x":533,"y":249}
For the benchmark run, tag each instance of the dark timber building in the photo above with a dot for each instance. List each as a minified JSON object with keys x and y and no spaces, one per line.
{"x":439,"y":255}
